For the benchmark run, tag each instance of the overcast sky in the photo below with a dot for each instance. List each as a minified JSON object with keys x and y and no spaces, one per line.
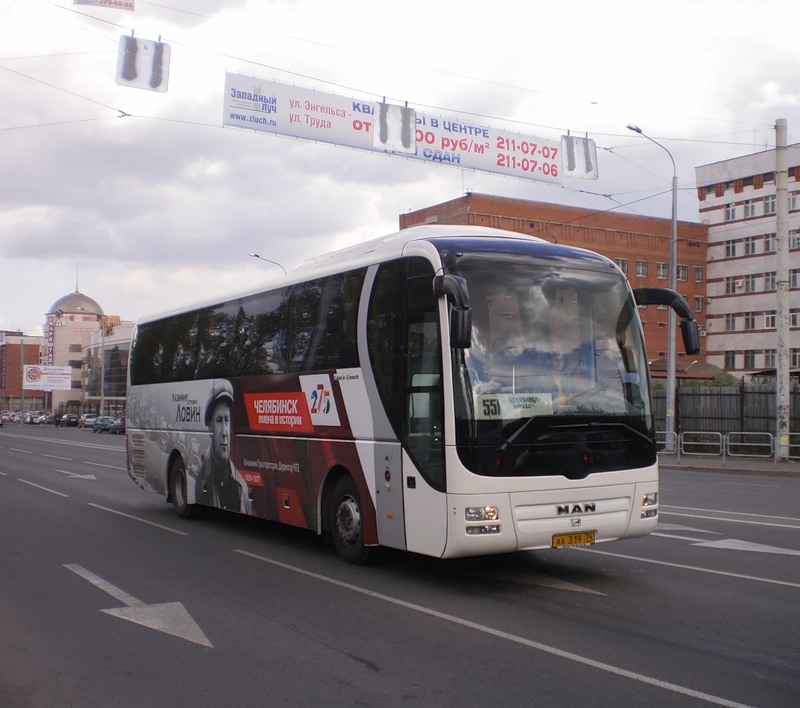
{"x":150,"y":203}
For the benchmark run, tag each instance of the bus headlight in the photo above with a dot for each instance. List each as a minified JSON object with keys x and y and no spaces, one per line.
{"x":650,"y":505}
{"x":481,"y":513}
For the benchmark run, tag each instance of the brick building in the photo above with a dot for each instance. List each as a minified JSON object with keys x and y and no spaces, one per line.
{"x":640,"y":245}
{"x":16,"y":350}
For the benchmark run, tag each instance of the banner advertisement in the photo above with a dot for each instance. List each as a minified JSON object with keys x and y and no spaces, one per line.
{"x":116,"y":4}
{"x":47,"y":378}
{"x":270,"y":106}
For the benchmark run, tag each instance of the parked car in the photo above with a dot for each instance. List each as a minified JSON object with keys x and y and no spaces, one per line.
{"x":86,"y":420}
{"x":102,"y":423}
{"x":69,"y":420}
{"x":117,"y":427}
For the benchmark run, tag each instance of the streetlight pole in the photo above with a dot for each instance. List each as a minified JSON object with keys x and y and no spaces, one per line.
{"x":673,"y":284}
{"x":261,"y":258}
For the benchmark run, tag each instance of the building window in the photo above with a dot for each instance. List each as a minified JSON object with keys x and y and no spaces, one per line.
{"x":770,"y":320}
{"x":730,"y":249}
{"x":730,"y":212}
{"x":698,"y":274}
{"x":730,"y":285}
{"x":641,"y":268}
{"x":770,"y":243}
{"x":795,"y":358}
{"x":770,"y":357}
{"x":749,"y":321}
{"x":749,"y":208}
{"x":794,"y":319}
{"x":769,"y":204}
{"x":730,"y":322}
{"x":623,"y":264}
{"x":750,"y":283}
{"x":730,"y":360}
{"x":662,"y":271}
{"x":749,"y":359}
{"x":794,"y":239}
{"x":792,"y":202}
{"x":770,"y":281}
{"x":793,"y":278}
{"x":749,"y":245}
{"x":698,"y":304}
{"x":682,"y":272}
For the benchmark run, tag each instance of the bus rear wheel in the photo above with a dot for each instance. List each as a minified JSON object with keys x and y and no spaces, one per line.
{"x":346,"y":523}
{"x":177,"y":490}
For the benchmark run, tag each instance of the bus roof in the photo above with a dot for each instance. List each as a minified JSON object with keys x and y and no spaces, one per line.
{"x":384,"y":248}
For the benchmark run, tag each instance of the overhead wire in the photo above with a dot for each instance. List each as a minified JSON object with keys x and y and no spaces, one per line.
{"x":317,"y":80}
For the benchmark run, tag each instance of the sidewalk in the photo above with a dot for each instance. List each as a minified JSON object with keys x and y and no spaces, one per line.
{"x":731,"y":465}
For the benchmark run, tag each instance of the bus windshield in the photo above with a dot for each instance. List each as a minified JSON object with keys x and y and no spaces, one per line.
{"x":555,"y":380}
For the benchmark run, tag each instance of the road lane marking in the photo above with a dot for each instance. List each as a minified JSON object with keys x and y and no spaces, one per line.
{"x":499,"y":634}
{"x":681,"y":566}
{"x":39,"y":486}
{"x":61,"y":441}
{"x":729,"y":520}
{"x":110,"y":467}
{"x":734,"y":513}
{"x":168,"y":617}
{"x":17,"y":449}
{"x":75,"y":475}
{"x":139,"y":519}
{"x":57,"y":457}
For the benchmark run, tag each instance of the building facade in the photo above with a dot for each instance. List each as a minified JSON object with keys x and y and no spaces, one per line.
{"x":18,"y":350}
{"x":640,"y":246}
{"x":738,"y":203}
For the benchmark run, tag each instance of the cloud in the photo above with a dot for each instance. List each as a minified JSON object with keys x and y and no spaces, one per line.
{"x":155,"y":204}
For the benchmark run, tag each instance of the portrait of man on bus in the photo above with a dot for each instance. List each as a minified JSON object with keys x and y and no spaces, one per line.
{"x":219,"y":483}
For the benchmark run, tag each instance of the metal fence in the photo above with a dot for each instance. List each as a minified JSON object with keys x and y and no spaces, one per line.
{"x":735,"y":421}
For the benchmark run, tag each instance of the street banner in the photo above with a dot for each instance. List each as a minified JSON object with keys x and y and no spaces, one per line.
{"x":116,"y":4}
{"x":270,"y":106}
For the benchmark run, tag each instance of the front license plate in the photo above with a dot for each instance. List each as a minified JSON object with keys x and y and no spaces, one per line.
{"x":584,"y":538}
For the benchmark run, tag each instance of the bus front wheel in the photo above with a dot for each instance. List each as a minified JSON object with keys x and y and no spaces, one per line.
{"x":346,"y":523}
{"x":177,"y":490}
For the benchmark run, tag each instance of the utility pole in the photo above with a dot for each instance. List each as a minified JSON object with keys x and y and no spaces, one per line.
{"x":782,"y":390}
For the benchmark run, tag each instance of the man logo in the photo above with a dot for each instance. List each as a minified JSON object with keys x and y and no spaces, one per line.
{"x":567,"y":509}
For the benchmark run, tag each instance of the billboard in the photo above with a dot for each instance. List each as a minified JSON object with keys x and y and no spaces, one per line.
{"x":118,"y":4}
{"x":47,"y":378}
{"x":270,"y":106}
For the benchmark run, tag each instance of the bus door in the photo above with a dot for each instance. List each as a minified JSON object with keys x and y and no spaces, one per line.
{"x":405,"y":352}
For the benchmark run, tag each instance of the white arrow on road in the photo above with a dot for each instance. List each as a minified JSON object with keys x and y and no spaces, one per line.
{"x":730,"y":544}
{"x":168,"y":617}
{"x":75,"y":475}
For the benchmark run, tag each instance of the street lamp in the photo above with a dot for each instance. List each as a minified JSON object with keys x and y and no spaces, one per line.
{"x":101,"y":319}
{"x":673,"y":266}
{"x":261,"y":258}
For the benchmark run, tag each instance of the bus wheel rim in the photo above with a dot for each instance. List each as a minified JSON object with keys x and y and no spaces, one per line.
{"x":348,"y":520}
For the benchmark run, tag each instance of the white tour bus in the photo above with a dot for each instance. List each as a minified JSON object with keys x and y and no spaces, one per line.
{"x":447,"y":390}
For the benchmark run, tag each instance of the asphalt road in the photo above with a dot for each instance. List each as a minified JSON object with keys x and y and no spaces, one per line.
{"x":107,"y":598}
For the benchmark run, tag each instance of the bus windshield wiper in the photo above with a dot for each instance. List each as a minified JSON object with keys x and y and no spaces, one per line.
{"x":596,"y":424}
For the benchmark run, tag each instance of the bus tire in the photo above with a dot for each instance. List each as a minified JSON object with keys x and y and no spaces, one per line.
{"x":346,"y":523}
{"x":177,"y":490}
